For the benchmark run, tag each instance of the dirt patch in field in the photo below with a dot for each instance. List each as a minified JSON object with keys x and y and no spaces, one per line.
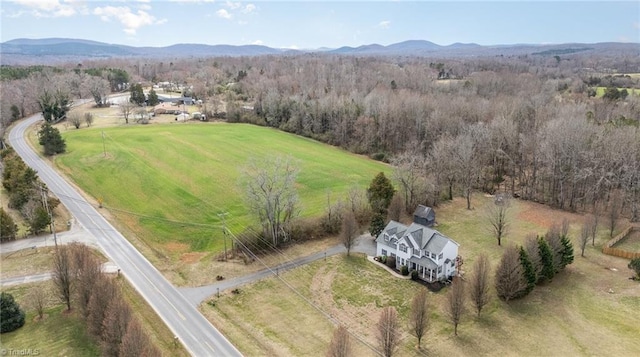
{"x":191,"y":258}
{"x":176,"y":247}
{"x":544,"y":216}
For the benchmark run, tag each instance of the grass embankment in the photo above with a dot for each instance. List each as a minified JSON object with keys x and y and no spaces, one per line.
{"x":591,"y":308}
{"x":156,"y":175}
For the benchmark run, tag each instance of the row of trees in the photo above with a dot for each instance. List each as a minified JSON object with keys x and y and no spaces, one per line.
{"x":538,"y":261}
{"x":27,"y":194}
{"x":78,"y":280}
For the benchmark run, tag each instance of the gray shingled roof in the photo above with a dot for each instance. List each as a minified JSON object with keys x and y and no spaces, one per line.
{"x":424,"y":237}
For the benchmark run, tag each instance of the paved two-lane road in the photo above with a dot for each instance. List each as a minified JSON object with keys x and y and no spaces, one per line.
{"x":196,"y":333}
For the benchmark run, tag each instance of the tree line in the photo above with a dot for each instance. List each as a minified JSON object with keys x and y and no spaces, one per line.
{"x":79,"y":281}
{"x":27,"y":195}
{"x":524,"y":124}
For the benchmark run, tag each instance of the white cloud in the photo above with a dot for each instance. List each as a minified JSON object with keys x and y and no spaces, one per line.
{"x":131,"y":21}
{"x":384,"y":24}
{"x":50,"y":8}
{"x":257,"y":42}
{"x":248,"y":8}
{"x":233,"y":5}
{"x":224,"y":14}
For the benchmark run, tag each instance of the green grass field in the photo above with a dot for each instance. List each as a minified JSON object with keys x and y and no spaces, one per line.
{"x":601,"y":90}
{"x":58,"y":334}
{"x":156,"y":175}
{"x":590,"y":308}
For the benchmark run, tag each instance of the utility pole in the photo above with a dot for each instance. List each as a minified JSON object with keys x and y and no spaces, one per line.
{"x":223,"y":218}
{"x":45,"y":202}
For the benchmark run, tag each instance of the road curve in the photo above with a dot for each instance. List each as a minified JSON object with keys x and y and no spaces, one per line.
{"x":198,"y":336}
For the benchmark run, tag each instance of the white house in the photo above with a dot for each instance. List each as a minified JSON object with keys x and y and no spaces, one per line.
{"x":420,"y":248}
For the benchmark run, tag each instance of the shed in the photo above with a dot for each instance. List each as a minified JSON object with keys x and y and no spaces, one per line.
{"x":425,"y":216}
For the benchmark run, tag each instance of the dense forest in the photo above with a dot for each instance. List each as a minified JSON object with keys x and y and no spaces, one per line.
{"x":560,"y":130}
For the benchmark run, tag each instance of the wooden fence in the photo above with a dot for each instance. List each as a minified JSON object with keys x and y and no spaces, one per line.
{"x":617,"y":252}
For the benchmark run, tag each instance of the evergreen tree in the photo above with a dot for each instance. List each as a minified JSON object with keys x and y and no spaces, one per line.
{"x":11,"y":315}
{"x":50,"y":138}
{"x":137,"y":94}
{"x":567,"y":251}
{"x":377,"y":224}
{"x":39,"y":221}
{"x":380,"y":193}
{"x":153,"y":98}
{"x":546,"y":257}
{"x":8,"y":228}
{"x":528,"y":271}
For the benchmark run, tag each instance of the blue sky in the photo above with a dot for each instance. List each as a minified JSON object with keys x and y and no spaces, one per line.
{"x":315,"y":24}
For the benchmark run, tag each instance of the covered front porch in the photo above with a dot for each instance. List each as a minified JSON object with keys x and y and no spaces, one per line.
{"x":426,"y":268}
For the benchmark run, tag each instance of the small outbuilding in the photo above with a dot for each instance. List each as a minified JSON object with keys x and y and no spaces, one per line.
{"x":425,"y":216}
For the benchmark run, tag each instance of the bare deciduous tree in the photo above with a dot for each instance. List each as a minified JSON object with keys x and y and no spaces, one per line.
{"x":87,"y":270}
{"x":408,"y":172}
{"x":88,"y":118}
{"x":510,"y":281}
{"x":271,"y":194}
{"x":591,"y":221}
{"x":114,"y":326}
{"x":498,"y":217}
{"x":39,"y":298}
{"x":585,"y":232}
{"x":63,"y":274}
{"x":340,"y":343}
{"x":136,"y":343}
{"x":104,"y":291}
{"x":480,"y":283}
{"x":614,"y":213}
{"x":74,"y":119}
{"x":349,"y":230}
{"x":388,"y":333}
{"x":455,"y":303}
{"x":396,"y":207}
{"x":419,"y":315}
{"x":126,"y":109}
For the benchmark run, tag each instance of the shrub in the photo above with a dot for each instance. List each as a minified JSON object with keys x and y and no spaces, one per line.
{"x":391,"y":262}
{"x":383,"y":259}
{"x":11,"y":315}
{"x":414,"y":275}
{"x":404,"y":270}
{"x":634,"y":265}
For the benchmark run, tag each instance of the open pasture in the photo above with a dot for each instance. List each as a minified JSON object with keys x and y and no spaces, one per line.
{"x":169,"y":183}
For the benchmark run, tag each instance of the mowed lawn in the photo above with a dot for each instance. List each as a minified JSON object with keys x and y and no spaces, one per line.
{"x":590,"y":308}
{"x":163,"y":181}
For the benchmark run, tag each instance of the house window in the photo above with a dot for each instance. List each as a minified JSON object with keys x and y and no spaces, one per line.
{"x":403,"y":248}
{"x":384,"y":252}
{"x":433,"y":255}
{"x":440,"y":256}
{"x":439,"y":269}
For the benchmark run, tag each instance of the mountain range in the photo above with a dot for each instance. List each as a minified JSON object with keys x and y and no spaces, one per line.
{"x":21,"y":51}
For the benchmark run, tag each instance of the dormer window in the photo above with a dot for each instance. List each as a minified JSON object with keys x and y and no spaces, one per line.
{"x":403,"y":248}
{"x":386,"y":237}
{"x":433,"y":256}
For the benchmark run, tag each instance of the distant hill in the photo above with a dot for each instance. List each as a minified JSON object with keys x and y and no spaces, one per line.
{"x":52,"y":50}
